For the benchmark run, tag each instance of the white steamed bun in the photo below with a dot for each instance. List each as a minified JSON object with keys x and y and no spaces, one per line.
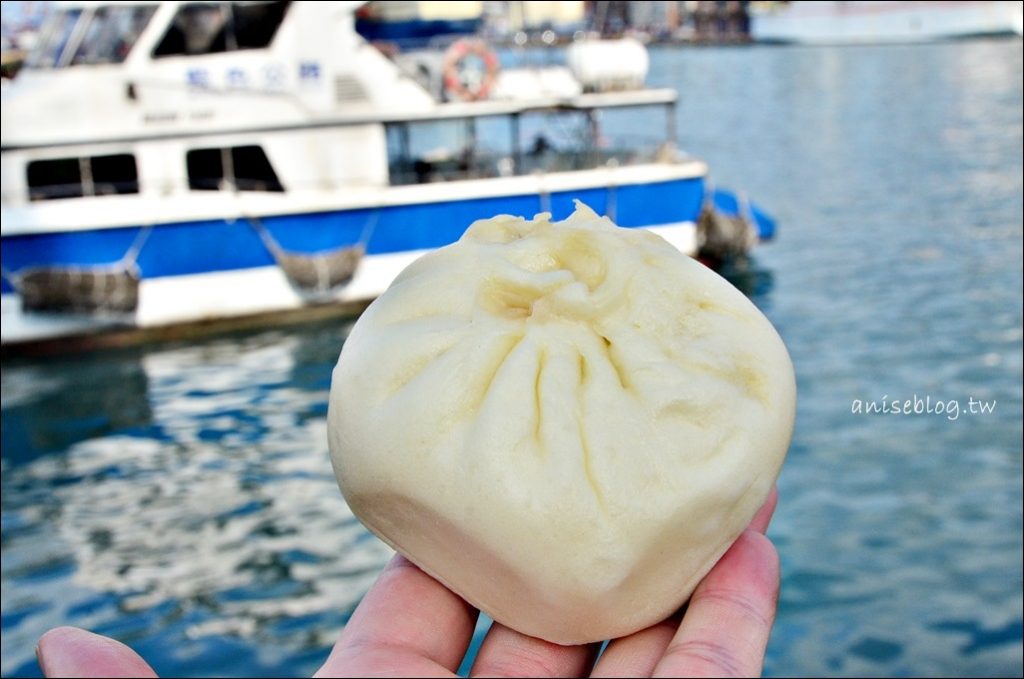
{"x":566,"y":423}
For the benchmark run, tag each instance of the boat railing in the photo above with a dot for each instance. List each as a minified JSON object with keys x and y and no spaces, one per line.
{"x":542,"y":157}
{"x":485,"y":165}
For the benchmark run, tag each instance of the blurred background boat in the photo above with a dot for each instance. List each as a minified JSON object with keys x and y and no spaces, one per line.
{"x":173,"y":163}
{"x":411,"y":23}
{"x":881,"y":21}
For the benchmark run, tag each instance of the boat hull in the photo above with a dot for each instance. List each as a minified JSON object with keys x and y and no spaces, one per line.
{"x":204,"y":270}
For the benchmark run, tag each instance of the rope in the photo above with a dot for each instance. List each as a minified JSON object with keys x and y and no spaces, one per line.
{"x":126,"y":263}
{"x":277,"y":251}
{"x":709,"y":194}
{"x":11,"y":278}
{"x":368,"y":229}
{"x":747,"y":215}
{"x":613,"y":191}
{"x":268,"y":240}
{"x":545,"y":194}
{"x":321,"y":271}
{"x":132,"y":255}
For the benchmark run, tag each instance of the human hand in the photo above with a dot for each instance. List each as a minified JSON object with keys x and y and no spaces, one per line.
{"x":409,"y":625}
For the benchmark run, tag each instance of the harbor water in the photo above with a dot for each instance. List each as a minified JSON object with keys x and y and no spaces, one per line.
{"x":179,"y":497}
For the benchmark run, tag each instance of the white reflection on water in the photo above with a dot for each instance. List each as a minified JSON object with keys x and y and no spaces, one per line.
{"x":184,"y":525}
{"x":220,"y":512}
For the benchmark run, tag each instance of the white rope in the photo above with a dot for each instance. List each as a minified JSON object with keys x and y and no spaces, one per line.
{"x":319,"y":261}
{"x":132,"y":255}
{"x":612,"y":204}
{"x":368,"y":229}
{"x":12,"y":278}
{"x":544,"y":193}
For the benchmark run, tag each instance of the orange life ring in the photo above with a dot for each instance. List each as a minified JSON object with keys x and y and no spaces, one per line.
{"x":453,"y":59}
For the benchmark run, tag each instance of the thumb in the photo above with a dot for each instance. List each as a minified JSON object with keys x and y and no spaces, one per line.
{"x":73,"y":652}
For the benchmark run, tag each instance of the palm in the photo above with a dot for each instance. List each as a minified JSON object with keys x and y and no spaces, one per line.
{"x":410,"y":625}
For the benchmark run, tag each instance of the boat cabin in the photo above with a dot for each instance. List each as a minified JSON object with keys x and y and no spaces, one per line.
{"x":165,"y":99}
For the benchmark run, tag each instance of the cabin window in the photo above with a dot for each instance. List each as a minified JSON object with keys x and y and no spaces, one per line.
{"x":54,"y":179}
{"x":78,"y":177}
{"x":245,"y":168}
{"x":114,"y":174}
{"x":111,"y":33}
{"x":208,"y":28}
{"x":104,"y":35}
{"x":256,"y":23}
{"x":56,"y":34}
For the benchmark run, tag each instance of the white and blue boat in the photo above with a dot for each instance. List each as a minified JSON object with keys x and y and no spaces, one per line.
{"x":412,"y":23}
{"x":872,"y":22}
{"x":184,"y":162}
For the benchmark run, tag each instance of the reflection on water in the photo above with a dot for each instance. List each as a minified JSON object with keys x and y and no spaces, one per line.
{"x":181,"y":497}
{"x":107,"y":395}
{"x":751,"y":278}
{"x":191,"y":499}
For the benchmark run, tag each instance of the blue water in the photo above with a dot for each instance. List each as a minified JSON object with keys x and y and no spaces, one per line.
{"x":180,"y":498}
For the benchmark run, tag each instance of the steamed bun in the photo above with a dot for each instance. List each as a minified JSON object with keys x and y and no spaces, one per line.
{"x":566,"y":423}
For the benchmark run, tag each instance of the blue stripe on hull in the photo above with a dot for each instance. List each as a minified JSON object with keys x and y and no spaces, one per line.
{"x":221,"y":245}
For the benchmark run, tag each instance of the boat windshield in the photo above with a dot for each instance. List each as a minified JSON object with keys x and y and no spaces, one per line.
{"x":104,"y":35}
